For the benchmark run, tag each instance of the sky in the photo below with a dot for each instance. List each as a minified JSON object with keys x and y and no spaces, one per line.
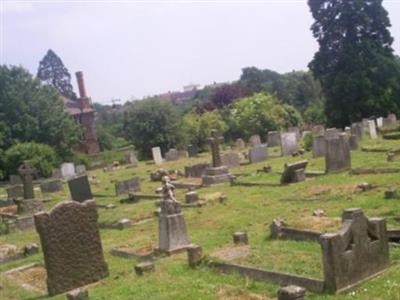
{"x":132,"y":49}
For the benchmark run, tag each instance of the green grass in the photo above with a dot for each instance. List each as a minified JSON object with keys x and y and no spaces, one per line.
{"x":251,"y":209}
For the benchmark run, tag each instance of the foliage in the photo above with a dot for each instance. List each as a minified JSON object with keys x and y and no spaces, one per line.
{"x":52,"y":71}
{"x":224,"y":95}
{"x":315,"y":114}
{"x":392,"y":136}
{"x":81,"y":159}
{"x":308,"y":141}
{"x":355,"y":63}
{"x":43,"y":158}
{"x":197,"y":127}
{"x":30,"y":112}
{"x":261,"y":113}
{"x":153,"y":122}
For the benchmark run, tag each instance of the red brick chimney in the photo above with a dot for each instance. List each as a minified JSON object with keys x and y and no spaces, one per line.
{"x":81,"y":84}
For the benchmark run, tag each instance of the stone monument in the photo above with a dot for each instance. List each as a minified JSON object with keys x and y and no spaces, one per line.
{"x":217,"y":173}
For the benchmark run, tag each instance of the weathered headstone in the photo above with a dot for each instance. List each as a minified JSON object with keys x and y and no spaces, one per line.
{"x":15,"y":179}
{"x":289,"y":143}
{"x":357,"y":252}
{"x":67,"y":170}
{"x":172,"y":227}
{"x":254,"y":140}
{"x":217,"y":173}
{"x":296,"y":130}
{"x":79,"y":188}
{"x":379,"y":122}
{"x":156,"y":151}
{"x":357,"y":130}
{"x":71,"y":246}
{"x":193,"y":150}
{"x":294,"y":172}
{"x":26,"y":171}
{"x":131,"y":159}
{"x":240,"y":144}
{"x":337,"y":157}
{"x":183,"y":154}
{"x":353,"y":142}
{"x":231,"y":159}
{"x":273,"y":139}
{"x":15,"y":191}
{"x":372,"y":129}
{"x":318,"y":146}
{"x":258,"y":154}
{"x":171,"y":155}
{"x":196,"y":170}
{"x":51,"y":186}
{"x":318,"y":130}
{"x":80,"y":170}
{"x":127,"y":186}
{"x":331,"y":133}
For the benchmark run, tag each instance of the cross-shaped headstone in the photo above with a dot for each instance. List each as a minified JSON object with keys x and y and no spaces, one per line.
{"x":214,"y":141}
{"x":26,"y":171}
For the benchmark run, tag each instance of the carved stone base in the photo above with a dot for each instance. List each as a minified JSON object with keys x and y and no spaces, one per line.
{"x":216,"y":175}
{"x":172,"y":233}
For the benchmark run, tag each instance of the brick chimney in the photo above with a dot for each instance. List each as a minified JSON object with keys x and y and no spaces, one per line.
{"x":83,"y":98}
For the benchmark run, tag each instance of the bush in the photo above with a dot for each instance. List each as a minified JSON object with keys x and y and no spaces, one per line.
{"x":308,"y":141}
{"x":81,"y":159}
{"x":42,"y":157}
{"x":392,"y":136}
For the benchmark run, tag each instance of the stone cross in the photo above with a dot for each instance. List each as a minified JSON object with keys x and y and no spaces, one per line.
{"x":26,"y":171}
{"x":214,"y":141}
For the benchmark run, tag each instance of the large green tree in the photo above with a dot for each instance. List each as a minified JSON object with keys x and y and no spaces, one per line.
{"x":152,"y":122}
{"x":52,"y":71}
{"x":355,"y":62}
{"x":32,"y":112}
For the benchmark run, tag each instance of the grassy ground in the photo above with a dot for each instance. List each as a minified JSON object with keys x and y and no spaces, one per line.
{"x":250,"y":209}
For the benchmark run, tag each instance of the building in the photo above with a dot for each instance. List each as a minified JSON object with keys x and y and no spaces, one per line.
{"x":82,"y":111}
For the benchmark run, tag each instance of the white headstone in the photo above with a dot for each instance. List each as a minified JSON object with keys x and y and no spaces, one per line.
{"x":379,"y":122}
{"x":67,"y":170}
{"x":156,"y":151}
{"x":289,"y":143}
{"x":372,"y":129}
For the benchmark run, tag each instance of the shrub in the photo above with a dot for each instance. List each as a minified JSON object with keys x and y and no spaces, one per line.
{"x":42,"y":157}
{"x":308,"y":141}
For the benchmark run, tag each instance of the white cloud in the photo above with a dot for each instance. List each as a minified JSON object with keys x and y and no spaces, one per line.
{"x":16,"y":6}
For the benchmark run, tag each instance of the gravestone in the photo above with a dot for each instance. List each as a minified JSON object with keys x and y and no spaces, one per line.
{"x":193,"y":150}
{"x":258,"y":154}
{"x":15,"y":179}
{"x":79,"y":188}
{"x":217,"y":173}
{"x":296,"y":130}
{"x":331,"y":133}
{"x":67,"y":170}
{"x":80,"y":170}
{"x":197,"y":170}
{"x":273,"y":139}
{"x":337,"y":156}
{"x":156,"y":151}
{"x":357,"y":252}
{"x":379,"y":122}
{"x":294,"y":172}
{"x":231,"y":159}
{"x":357,"y":130}
{"x":289,"y":143}
{"x":372,"y":129}
{"x":71,"y":244}
{"x":51,"y":186}
{"x":56,"y":174}
{"x":171,"y":155}
{"x":171,"y":227}
{"x":127,"y":186}
{"x":254,"y":140}
{"x":183,"y":154}
{"x":353,"y":142}
{"x":318,"y":130}
{"x":15,"y":191}
{"x":26,"y":171}
{"x":240,"y":144}
{"x":131,"y":159}
{"x":318,"y":146}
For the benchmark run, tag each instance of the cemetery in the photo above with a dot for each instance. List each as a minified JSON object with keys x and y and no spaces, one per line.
{"x":167,"y":242}
{"x":272,"y":173}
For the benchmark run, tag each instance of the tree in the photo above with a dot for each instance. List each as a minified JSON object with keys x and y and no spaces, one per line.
{"x":153,"y":122}
{"x":52,"y":71}
{"x":261,"y":113}
{"x":31,"y":112}
{"x":355,"y":63}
